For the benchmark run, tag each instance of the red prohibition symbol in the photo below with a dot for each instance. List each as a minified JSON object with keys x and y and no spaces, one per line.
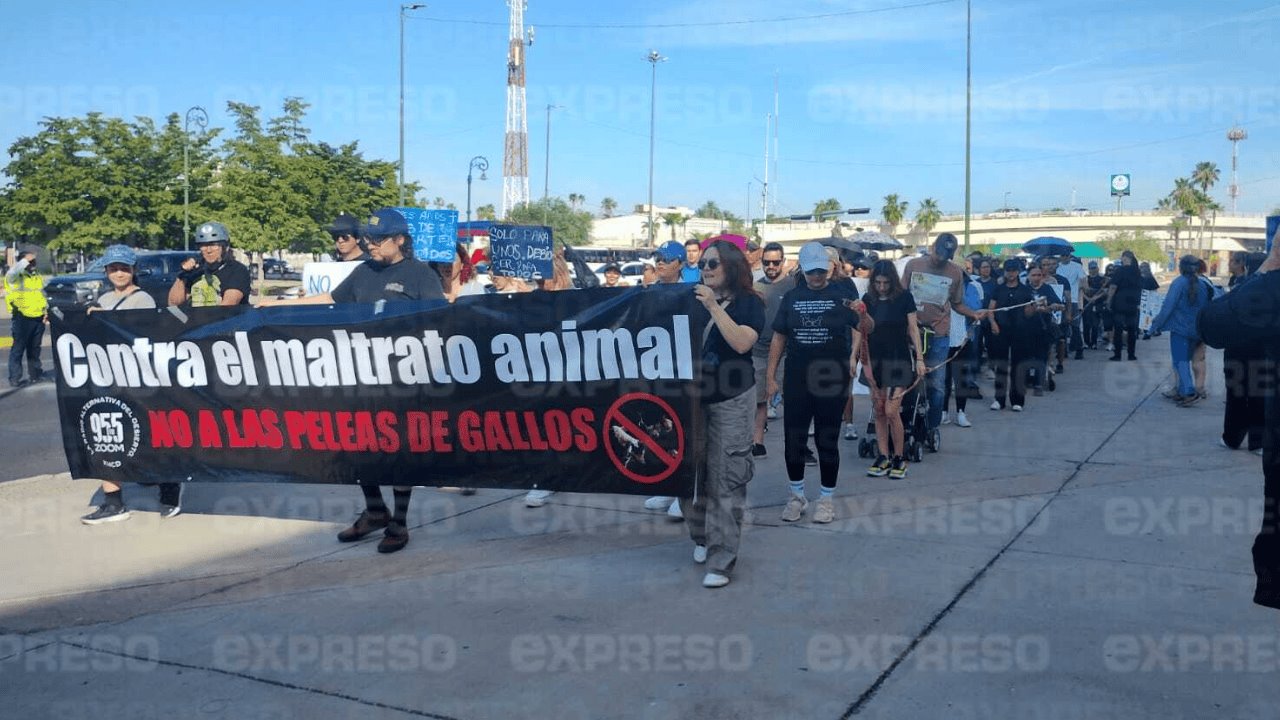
{"x":615,"y":420}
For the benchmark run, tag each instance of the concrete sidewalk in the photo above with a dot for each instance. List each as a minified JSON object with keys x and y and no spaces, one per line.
{"x":1088,"y":558}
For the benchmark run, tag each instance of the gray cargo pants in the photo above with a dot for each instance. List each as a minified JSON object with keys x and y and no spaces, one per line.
{"x":715,"y":517}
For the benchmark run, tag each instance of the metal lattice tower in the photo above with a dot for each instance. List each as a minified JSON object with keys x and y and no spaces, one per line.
{"x":1235,"y":135}
{"x":515,"y":158}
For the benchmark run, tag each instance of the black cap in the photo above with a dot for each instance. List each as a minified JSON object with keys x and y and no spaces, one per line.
{"x":611,"y":267}
{"x":1012,"y":264}
{"x":344,"y":224}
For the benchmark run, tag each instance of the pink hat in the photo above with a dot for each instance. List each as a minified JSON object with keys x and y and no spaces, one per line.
{"x":737,"y":240}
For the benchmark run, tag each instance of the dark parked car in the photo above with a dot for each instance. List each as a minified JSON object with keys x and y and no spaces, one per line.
{"x":274,"y":268}
{"x":157,"y":269}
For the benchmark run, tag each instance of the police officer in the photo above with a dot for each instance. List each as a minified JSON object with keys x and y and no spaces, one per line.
{"x":216,"y":278}
{"x":24,"y":291}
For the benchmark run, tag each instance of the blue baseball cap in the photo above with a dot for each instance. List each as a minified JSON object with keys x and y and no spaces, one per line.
{"x":813,"y":256}
{"x":121,"y":255}
{"x":384,"y":223}
{"x":670,"y":250}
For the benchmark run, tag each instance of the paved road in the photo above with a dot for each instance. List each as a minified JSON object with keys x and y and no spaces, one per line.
{"x":31,"y":443}
{"x":1088,"y":558}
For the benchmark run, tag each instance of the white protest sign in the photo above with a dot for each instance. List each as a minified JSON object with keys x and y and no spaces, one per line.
{"x":322,"y":277}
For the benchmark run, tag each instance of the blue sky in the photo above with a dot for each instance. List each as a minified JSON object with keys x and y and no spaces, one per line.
{"x":871,"y":93}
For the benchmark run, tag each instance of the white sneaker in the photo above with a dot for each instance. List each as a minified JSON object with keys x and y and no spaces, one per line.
{"x":673,"y":512}
{"x":995,"y":404}
{"x":850,"y":431}
{"x":537,"y":498}
{"x":1223,"y":444}
{"x":946,"y":419}
{"x":963,"y":421}
{"x":771,"y":413}
{"x":1017,"y":408}
{"x":699,"y":554}
{"x":794,"y":508}
{"x":714,"y":580}
{"x":658,"y":502}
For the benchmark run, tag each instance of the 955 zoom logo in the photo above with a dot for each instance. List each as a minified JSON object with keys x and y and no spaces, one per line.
{"x":110,"y":430}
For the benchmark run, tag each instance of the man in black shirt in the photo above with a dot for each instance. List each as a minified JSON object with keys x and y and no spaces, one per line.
{"x":347,"y":246}
{"x":1094,"y":295}
{"x":1011,"y":305}
{"x":1247,"y":316}
{"x":1049,"y":265}
{"x":216,"y":278}
{"x":391,"y":275}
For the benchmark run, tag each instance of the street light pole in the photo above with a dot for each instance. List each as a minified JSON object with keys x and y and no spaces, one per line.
{"x":403,"y":10}
{"x":546,"y":170}
{"x":968,"y":115}
{"x":480,"y":163}
{"x":201,"y":118}
{"x":654,"y":58}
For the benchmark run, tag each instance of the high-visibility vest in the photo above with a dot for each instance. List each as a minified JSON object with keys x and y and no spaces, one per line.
{"x":26,"y":296}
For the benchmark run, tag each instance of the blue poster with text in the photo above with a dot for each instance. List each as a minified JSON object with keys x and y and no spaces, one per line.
{"x":522,"y":251}
{"x":435,"y":233}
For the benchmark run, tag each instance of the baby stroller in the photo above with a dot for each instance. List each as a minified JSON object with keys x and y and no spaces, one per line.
{"x":915,"y":429}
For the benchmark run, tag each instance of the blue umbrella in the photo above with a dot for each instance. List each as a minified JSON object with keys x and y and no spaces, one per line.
{"x":1048,"y":245}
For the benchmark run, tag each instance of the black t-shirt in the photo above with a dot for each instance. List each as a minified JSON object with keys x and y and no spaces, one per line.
{"x":405,"y":280}
{"x":1128,"y":282}
{"x":727,"y":373}
{"x":816,"y":324}
{"x":1005,"y":296}
{"x":889,"y":340}
{"x":207,"y":290}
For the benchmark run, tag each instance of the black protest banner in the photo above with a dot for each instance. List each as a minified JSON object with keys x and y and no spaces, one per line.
{"x":580,"y":391}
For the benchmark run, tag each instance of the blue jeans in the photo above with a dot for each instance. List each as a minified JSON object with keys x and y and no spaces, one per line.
{"x":1181,"y":347}
{"x":936,"y":381}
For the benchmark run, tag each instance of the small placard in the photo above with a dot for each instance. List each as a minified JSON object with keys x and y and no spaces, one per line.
{"x":521,"y":251}
{"x":435,"y":233}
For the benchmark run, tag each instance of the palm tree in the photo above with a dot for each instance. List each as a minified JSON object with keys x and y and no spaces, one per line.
{"x":486,"y":212}
{"x":608,"y":206}
{"x":894,"y":211}
{"x":1205,"y":175}
{"x":674,"y":220}
{"x":928,"y":215}
{"x":828,"y":205}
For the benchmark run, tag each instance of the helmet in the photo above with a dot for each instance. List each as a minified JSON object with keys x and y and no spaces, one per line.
{"x":212,"y":232}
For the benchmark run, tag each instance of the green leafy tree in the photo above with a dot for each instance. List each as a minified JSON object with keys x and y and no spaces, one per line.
{"x":263,"y":193}
{"x":571,"y":226}
{"x":928,"y":215}
{"x":709,"y":209}
{"x":894,"y":210}
{"x":608,"y":207}
{"x":1143,"y":245}
{"x":82,"y":183}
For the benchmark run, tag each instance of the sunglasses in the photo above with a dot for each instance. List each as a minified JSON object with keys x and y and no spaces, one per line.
{"x":118,"y":267}
{"x":819,"y":271}
{"x":771,"y":263}
{"x":663,"y":259}
{"x":371,"y":240}
{"x":339,"y":237}
{"x":711,"y":264}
